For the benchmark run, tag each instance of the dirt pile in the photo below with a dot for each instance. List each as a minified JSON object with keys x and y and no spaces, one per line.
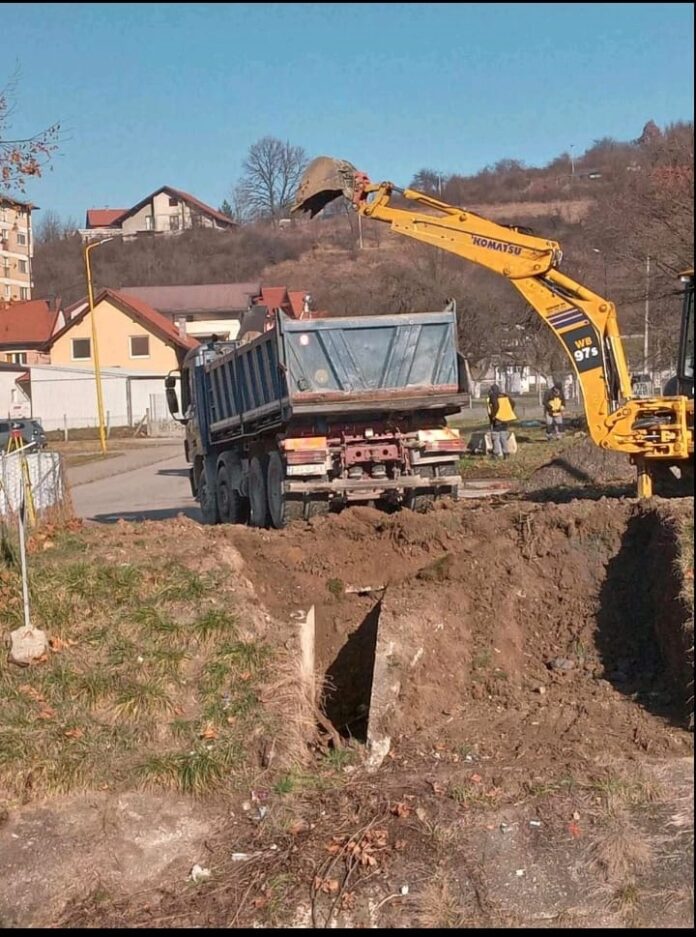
{"x":583,"y":464}
{"x":526,"y":629}
{"x":532,"y":660}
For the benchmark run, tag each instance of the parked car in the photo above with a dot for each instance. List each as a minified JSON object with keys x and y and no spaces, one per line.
{"x":31,"y":430}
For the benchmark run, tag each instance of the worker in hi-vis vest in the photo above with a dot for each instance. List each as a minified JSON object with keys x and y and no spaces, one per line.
{"x":501,"y":412}
{"x":554,"y":405}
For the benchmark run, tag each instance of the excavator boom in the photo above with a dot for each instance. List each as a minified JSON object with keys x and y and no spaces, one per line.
{"x":647,"y":429}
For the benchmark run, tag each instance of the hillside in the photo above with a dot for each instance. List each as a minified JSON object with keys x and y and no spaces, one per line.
{"x":620,"y":203}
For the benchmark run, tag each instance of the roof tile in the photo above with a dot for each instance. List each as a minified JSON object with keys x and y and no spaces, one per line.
{"x":29,"y":322}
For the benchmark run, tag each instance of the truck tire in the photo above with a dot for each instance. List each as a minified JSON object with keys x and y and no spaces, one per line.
{"x":207,"y":499}
{"x":232,"y":507}
{"x":258,"y":502}
{"x":421,"y":501}
{"x":316,"y":507}
{"x":281,"y":509}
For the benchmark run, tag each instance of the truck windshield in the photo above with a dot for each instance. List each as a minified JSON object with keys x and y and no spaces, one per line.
{"x":687,"y":351}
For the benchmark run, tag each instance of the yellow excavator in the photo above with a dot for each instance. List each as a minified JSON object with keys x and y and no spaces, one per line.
{"x":656,"y":432}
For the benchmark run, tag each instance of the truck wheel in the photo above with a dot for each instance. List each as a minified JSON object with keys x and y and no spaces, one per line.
{"x":420,"y":501}
{"x":232,"y":507}
{"x":282,"y":510}
{"x":258,"y":505}
{"x":315,"y":508}
{"x":207,"y":500}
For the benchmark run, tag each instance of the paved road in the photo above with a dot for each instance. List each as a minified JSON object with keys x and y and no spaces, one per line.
{"x":161,"y":489}
{"x":146,"y":492}
{"x":125,"y":459}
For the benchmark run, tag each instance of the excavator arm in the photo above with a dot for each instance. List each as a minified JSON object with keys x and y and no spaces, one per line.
{"x":584,"y":322}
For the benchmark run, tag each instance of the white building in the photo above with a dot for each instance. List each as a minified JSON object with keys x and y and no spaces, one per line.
{"x":65,"y":397}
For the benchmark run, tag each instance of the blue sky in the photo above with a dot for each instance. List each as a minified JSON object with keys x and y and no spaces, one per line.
{"x":174,"y":94}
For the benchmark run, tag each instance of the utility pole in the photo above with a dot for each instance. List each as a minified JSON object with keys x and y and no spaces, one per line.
{"x":646,"y":324}
{"x":95,"y":345}
{"x":572,"y":160}
{"x":360,"y":237}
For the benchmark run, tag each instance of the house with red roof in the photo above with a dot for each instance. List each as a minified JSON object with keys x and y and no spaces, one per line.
{"x":26,"y":329}
{"x":130,"y":335}
{"x":166,"y":211}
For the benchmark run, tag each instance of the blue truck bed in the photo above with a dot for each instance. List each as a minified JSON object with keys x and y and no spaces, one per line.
{"x":334,"y":366}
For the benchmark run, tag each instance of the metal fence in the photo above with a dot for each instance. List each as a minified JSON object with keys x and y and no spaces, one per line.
{"x":44,"y":476}
{"x":159,"y":419}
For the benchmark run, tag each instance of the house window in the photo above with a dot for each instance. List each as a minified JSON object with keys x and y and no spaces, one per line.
{"x":8,"y":292}
{"x":173,"y":203}
{"x":174,"y":222}
{"x":148,"y":222}
{"x":140,"y":346}
{"x":81,"y":349}
{"x":21,"y":238}
{"x":24,"y":292}
{"x":17,"y":357}
{"x":22,"y":266}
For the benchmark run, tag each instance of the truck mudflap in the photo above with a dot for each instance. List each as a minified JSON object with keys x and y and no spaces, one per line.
{"x":348,"y":485}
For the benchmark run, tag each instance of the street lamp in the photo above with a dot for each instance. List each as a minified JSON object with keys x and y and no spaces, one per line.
{"x":596,"y":250}
{"x":647,"y":315}
{"x":95,"y":345}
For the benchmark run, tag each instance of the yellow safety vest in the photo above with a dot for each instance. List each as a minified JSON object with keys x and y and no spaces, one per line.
{"x":555,"y":405}
{"x":505,"y":412}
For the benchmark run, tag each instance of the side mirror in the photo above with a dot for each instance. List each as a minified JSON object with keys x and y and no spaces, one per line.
{"x":172,"y":402}
{"x":172,"y":399}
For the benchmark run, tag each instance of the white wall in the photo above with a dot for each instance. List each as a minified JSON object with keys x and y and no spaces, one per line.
{"x":13,"y":401}
{"x":67,"y":396}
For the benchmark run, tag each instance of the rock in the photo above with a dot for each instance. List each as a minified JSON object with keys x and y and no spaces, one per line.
{"x":561,"y":664}
{"x":199,"y":874}
{"x":27,"y":645}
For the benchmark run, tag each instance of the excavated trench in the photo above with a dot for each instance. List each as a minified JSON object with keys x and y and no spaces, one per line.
{"x":537,"y":631}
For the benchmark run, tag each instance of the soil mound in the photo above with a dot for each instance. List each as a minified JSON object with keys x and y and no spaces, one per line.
{"x":583,"y":464}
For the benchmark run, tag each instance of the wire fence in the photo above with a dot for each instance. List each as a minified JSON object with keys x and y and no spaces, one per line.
{"x":41,"y":474}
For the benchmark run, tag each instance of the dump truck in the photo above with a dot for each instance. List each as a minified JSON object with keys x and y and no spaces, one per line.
{"x":315,"y":414}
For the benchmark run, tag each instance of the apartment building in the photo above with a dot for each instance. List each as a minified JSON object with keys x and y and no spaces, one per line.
{"x":16,"y":249}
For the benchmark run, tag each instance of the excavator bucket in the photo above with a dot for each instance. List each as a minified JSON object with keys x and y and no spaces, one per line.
{"x":324,"y":180}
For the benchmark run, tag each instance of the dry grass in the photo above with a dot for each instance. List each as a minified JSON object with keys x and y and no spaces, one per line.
{"x":438,"y":905}
{"x":533,"y":451}
{"x":621,"y":850}
{"x":288,"y":695}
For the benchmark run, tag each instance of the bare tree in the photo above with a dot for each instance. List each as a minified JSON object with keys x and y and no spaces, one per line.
{"x":429,"y":181}
{"x":25,"y":157}
{"x":271,"y":174}
{"x":50,"y":228}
